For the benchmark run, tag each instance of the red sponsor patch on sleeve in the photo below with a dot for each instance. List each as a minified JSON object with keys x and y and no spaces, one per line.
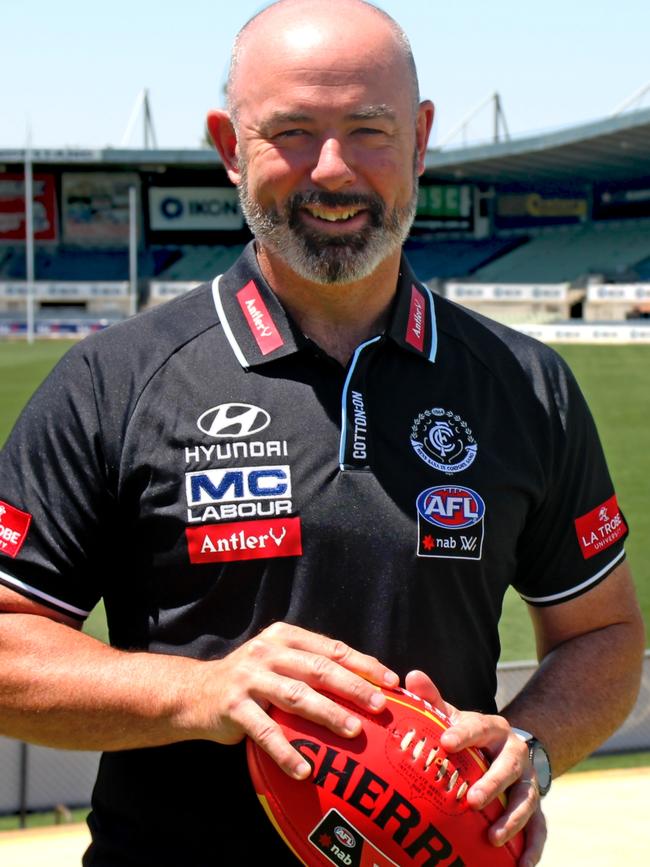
{"x":13,"y":529}
{"x":600,"y":528}
{"x":244,"y":540}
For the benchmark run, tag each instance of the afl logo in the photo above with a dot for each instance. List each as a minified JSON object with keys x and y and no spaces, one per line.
{"x":451,"y":508}
{"x":443,"y":440}
{"x":233,"y":420}
{"x":344,"y":837}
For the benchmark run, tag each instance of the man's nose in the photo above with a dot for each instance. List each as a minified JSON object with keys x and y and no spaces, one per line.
{"x":332,"y":171}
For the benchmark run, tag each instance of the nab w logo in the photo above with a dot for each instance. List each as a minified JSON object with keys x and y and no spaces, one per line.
{"x":233,"y":420}
{"x":237,"y":484}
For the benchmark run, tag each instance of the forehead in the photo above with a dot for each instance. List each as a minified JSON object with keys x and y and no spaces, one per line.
{"x":312,"y":65}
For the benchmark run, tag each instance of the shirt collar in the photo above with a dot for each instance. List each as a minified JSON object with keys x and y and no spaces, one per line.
{"x":413,"y":321}
{"x":259,"y":329}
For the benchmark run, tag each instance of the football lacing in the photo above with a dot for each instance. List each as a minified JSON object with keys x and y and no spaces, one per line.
{"x":433,"y":759}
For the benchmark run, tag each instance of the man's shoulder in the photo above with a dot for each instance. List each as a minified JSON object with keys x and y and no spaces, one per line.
{"x":171,"y":323}
{"x":502,"y":349}
{"x":146,"y":340}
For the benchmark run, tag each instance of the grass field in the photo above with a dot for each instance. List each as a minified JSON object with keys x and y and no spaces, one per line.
{"x":616,"y":383}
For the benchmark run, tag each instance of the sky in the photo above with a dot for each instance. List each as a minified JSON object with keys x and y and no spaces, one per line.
{"x":72,"y":70}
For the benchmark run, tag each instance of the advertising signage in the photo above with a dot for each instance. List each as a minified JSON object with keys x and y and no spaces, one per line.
{"x":95,"y":207}
{"x":194,"y":209}
{"x":12,"y":207}
{"x":520,"y":209}
{"x":446,"y":207}
{"x":620,"y":203}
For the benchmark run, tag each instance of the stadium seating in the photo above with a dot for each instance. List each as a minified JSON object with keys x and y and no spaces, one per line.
{"x":69,"y":263}
{"x":608,"y":249}
{"x":200,"y":262}
{"x":642,"y":270}
{"x":434,"y":258}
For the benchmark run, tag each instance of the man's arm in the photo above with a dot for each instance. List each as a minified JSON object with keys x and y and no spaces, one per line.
{"x":62,"y":688}
{"x":591,"y":655}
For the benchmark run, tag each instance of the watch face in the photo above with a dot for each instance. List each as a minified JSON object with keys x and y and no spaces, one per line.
{"x":542,"y":767}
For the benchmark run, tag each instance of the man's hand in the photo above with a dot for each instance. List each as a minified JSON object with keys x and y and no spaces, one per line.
{"x":286,"y":666}
{"x":510,"y":769}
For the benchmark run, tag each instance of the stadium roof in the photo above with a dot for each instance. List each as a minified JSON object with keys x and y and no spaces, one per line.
{"x":616,"y":149}
{"x":613,"y":150}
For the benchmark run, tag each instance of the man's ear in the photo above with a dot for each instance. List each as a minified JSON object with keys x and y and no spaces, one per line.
{"x":223,"y":135}
{"x":423,"y":126}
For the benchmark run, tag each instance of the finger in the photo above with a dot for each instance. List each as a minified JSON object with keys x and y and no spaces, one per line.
{"x":489,"y":732}
{"x":261,"y":728}
{"x":504,"y":771}
{"x":298,"y":697}
{"x":523,"y":802}
{"x":421,"y":684}
{"x":362,"y":664}
{"x":315,"y":668}
{"x":492,"y":734}
{"x":535,"y":839}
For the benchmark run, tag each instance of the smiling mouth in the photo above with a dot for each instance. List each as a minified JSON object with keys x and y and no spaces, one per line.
{"x":333,"y":215}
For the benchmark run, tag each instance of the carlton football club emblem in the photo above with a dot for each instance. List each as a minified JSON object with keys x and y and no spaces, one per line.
{"x":443,"y":440}
{"x":450,"y":523}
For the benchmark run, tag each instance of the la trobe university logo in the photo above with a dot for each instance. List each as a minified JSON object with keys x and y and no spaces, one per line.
{"x":233,"y":420}
{"x":443,"y":440}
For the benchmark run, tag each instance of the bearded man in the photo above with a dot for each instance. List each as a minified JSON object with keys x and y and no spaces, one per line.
{"x":309,"y":475}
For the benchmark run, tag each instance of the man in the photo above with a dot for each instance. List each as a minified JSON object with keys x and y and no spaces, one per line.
{"x":309,"y":474}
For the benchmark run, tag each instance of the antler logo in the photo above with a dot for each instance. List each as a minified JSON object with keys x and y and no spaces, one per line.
{"x":233,"y":420}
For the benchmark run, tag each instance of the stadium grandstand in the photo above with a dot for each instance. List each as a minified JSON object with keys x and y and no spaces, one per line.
{"x":542,"y":230}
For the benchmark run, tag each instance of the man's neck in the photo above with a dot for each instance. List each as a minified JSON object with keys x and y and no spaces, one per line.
{"x":337,"y":317}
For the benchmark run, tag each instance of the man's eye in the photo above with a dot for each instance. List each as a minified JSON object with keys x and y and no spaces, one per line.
{"x":291,"y":133}
{"x":369,"y":130}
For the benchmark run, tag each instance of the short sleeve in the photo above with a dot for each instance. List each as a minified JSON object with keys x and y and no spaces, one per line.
{"x":54,"y":493}
{"x":574,"y":537}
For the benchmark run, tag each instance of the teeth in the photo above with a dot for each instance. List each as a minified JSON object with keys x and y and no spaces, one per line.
{"x":331,"y":215}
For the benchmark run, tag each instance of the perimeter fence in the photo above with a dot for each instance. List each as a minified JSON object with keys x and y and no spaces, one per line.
{"x":34,"y":778}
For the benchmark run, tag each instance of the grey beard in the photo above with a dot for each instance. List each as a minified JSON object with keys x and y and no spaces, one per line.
{"x":319,"y":257}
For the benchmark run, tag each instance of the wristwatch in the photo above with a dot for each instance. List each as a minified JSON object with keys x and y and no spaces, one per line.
{"x":539,"y":760}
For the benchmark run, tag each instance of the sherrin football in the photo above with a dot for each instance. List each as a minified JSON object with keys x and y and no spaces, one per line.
{"x":390,"y":796}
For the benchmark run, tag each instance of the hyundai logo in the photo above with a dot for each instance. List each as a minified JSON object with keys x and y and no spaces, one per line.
{"x":233,"y":420}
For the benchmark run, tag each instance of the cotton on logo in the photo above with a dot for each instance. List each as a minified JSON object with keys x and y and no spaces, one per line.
{"x":233,"y":420}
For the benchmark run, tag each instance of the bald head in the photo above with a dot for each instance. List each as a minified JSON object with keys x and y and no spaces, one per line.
{"x":305,"y":22}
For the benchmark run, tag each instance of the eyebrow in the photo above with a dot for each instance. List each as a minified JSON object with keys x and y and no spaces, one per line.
{"x":370,"y":112}
{"x":373,"y":112}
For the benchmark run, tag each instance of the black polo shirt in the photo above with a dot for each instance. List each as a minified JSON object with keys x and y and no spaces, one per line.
{"x":206,"y":469}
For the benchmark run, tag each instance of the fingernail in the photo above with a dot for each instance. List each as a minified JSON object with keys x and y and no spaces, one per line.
{"x":450,"y":741}
{"x":352,"y":725}
{"x":302,"y":771}
{"x":391,"y":679}
{"x":478,"y":797}
{"x":377,"y":700}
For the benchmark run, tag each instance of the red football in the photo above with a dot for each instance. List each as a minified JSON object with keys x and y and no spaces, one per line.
{"x":391,"y":796}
